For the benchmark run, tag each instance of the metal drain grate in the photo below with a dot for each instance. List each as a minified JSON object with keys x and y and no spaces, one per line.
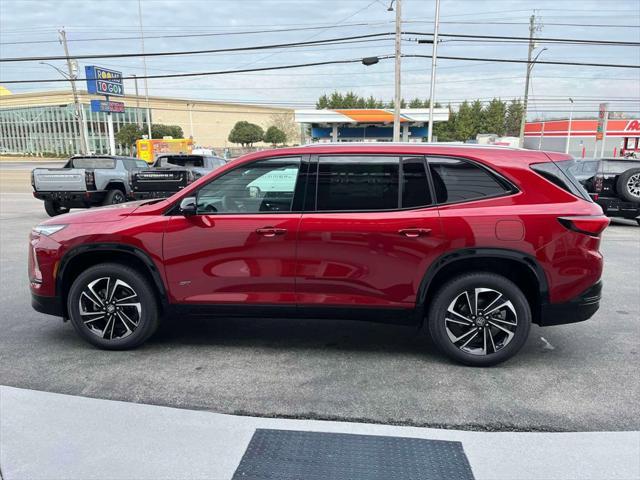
{"x":289,"y":455}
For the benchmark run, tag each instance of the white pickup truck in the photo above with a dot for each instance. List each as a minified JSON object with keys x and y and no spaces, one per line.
{"x":85,"y":181}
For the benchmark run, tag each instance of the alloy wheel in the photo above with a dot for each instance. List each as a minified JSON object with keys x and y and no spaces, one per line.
{"x":633,"y":185}
{"x":110,"y":308}
{"x":481,"y":321}
{"x":118,"y":198}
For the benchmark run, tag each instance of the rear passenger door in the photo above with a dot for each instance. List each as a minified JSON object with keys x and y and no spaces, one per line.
{"x":369,"y":231}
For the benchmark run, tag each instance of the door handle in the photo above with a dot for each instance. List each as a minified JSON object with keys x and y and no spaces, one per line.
{"x":270,"y":231}
{"x":414,"y":232}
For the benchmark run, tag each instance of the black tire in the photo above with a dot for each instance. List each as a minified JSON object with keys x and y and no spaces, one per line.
{"x":627,"y":187}
{"x":439,"y":320}
{"x":114,"y":196}
{"x":88,"y":324}
{"x":53,"y":208}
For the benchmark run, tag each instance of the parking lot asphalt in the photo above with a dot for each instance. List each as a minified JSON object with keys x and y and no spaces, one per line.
{"x":580,"y":377}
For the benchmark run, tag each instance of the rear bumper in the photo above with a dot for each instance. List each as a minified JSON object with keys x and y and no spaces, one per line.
{"x":73,"y":199}
{"x":47,"y":305}
{"x":614,"y":207}
{"x":579,"y":309}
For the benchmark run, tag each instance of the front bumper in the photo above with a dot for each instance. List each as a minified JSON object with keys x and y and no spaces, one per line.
{"x":73,"y":199}
{"x":579,"y":309}
{"x":47,"y":305}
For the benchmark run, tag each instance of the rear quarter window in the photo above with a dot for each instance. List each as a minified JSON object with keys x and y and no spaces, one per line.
{"x":562,"y":175}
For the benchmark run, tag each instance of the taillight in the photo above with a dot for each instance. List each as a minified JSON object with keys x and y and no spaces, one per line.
{"x":592,"y":226}
{"x":90,"y":180}
{"x":33,"y":180}
{"x":598,"y":183}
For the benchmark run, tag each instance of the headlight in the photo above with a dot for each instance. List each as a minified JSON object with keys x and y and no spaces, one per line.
{"x":48,"y":229}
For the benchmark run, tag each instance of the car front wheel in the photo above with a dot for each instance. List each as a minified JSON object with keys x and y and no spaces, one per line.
{"x":479,"y":319}
{"x":113,"y":307}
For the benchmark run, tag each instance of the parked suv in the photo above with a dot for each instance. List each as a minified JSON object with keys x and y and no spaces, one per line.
{"x":614,"y":184}
{"x":472,"y":243}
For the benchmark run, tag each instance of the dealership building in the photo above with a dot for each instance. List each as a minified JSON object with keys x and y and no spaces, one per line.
{"x":621,"y":135}
{"x":45,"y":122}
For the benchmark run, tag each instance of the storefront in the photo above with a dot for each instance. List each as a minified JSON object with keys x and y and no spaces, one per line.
{"x":622,"y":137}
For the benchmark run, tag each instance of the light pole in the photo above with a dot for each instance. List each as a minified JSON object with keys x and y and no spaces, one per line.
{"x":566,"y":150}
{"x":434,"y":60}
{"x":71,"y":76}
{"x":525,"y":105}
{"x":398,"y":53}
{"x":144,"y":64}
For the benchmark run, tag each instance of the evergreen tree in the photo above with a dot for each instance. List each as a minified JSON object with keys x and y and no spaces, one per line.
{"x":464,"y":125}
{"x":322,"y":103}
{"x":495,"y":114}
{"x":514,"y":118}
{"x":415,"y":103}
{"x":477,"y":113}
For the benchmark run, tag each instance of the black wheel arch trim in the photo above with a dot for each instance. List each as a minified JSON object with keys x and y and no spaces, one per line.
{"x":113,"y":247}
{"x":450,"y":257}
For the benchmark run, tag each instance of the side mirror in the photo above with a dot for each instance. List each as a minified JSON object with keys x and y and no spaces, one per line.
{"x":188,"y":206}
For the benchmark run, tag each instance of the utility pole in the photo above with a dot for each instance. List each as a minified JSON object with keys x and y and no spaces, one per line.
{"x":144,"y":63}
{"x":398,"y":92}
{"x":434,"y":61}
{"x":135,"y":82}
{"x":532,"y":45}
{"x":84,"y":146}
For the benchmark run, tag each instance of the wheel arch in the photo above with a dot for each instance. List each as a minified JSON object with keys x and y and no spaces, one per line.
{"x":116,"y":184}
{"x":524,"y":270}
{"x":85,"y":256}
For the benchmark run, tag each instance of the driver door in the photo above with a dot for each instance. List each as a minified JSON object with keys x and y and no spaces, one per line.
{"x":239,"y":248}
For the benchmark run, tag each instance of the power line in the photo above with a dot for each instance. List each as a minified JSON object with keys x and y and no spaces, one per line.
{"x":513,"y":60}
{"x":328,"y":41}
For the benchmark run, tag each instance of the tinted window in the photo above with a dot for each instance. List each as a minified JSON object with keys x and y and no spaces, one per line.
{"x":141,"y":164}
{"x":357,"y":183}
{"x":260,"y":187}
{"x":415,"y":187}
{"x":81,"y":162}
{"x":561,"y":174}
{"x":456,"y":180}
{"x":182,"y":161}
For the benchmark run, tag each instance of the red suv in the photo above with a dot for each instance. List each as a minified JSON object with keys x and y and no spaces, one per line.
{"x":472,"y":243}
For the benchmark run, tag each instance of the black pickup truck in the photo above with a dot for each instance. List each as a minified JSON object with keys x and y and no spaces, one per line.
{"x":613,"y":183}
{"x":171,"y":173}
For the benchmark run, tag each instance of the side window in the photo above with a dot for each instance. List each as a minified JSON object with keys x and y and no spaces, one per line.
{"x":141,"y":164}
{"x":456,"y":180}
{"x":262,"y":187}
{"x":357,"y":183}
{"x":415,"y":187}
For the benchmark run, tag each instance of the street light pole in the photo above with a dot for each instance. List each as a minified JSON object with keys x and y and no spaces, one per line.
{"x":398,"y":92}
{"x":84,"y":146}
{"x":434,"y":60}
{"x":144,"y":64}
{"x":566,"y":150}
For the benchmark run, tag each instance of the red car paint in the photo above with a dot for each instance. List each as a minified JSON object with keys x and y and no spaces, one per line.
{"x":337,"y":259}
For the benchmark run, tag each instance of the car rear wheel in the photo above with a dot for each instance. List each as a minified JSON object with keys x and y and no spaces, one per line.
{"x":53,"y":208}
{"x":114,"y":196}
{"x":628,"y":185}
{"x":113,"y":307}
{"x":479,"y":319}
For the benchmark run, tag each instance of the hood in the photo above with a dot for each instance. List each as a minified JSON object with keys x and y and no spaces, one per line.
{"x":110,"y":213}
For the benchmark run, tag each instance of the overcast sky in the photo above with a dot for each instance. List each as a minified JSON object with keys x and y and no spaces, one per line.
{"x":39,"y":20}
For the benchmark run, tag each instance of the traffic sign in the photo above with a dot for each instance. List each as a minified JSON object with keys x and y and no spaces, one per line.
{"x":101,"y":81}
{"x":107,"y":106}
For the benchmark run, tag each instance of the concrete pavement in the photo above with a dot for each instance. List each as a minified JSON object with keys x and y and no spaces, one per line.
{"x":54,"y":437}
